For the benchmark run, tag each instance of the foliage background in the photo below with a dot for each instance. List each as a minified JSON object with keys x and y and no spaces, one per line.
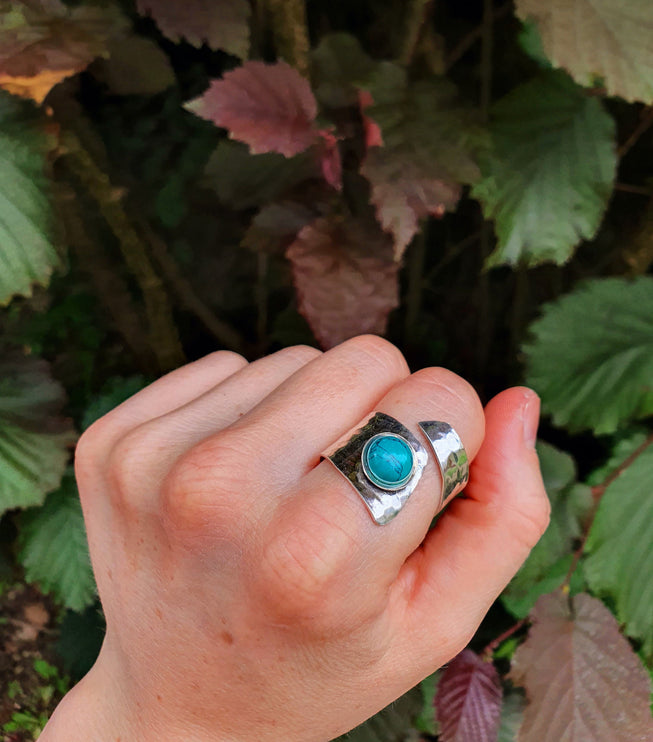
{"x":474,"y":180}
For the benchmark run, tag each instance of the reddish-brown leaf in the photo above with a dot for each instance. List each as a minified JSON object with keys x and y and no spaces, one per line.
{"x":330,"y":160}
{"x":345,"y":277}
{"x":403,"y":192}
{"x":222,"y":24}
{"x":583,"y":680}
{"x":43,"y":41}
{"x":429,"y":146}
{"x":468,"y":700}
{"x":270,"y":107}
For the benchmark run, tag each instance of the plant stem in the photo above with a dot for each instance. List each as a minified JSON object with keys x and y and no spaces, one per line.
{"x":162,"y":331}
{"x":418,"y":14}
{"x":645,"y":122}
{"x":484,"y":308}
{"x":466,"y":43}
{"x":496,"y":643}
{"x":416,"y":257}
{"x":110,"y":289}
{"x":290,"y":30}
{"x":597,"y":492}
{"x":262,"y":266}
{"x":221,"y":330}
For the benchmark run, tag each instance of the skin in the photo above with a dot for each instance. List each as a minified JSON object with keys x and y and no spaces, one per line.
{"x":248,"y":593}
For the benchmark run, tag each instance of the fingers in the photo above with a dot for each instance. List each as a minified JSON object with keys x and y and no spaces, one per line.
{"x":322,"y":540}
{"x":482,"y":539}
{"x":165,"y":394}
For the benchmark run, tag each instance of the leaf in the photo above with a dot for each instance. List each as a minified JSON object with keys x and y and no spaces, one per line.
{"x":276,"y":225}
{"x":80,"y":639}
{"x":54,"y":550}
{"x":591,"y":357}
{"x":554,"y":154}
{"x":393,"y":724}
{"x":222,"y":24}
{"x":339,"y":67}
{"x":512,"y":714}
{"x":598,"y":42}
{"x":426,"y":720}
{"x":136,"y":66}
{"x":242,"y":180}
{"x":269,"y":107}
{"x":345,"y":277}
{"x":584,"y":682}
{"x":550,"y":559}
{"x":114,"y":392}
{"x":468,"y":700}
{"x":531,"y":42}
{"x":34,"y":439}
{"x":27,"y":253}
{"x":43,"y":41}
{"x":620,"y":560}
{"x":429,"y":146}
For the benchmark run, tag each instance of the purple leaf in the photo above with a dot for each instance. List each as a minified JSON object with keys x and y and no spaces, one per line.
{"x":468,"y":700}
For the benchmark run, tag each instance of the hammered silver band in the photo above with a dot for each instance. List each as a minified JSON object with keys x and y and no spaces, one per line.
{"x":384,"y":503}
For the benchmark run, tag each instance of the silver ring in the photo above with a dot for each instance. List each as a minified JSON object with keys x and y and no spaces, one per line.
{"x":451,"y":457}
{"x":383,"y":498}
{"x":384,"y":462}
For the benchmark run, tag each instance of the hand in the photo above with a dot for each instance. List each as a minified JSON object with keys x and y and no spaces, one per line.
{"x":247,"y":591}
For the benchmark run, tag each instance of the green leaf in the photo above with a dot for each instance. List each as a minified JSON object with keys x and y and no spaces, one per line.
{"x":34,"y":440}
{"x":222,"y":24}
{"x":113,"y":393}
{"x":54,"y":550}
{"x":394,"y":724}
{"x":80,"y":639}
{"x":620,"y":561}
{"x":339,"y":67}
{"x":598,"y":42}
{"x":27,"y":253}
{"x":430,"y":145}
{"x":426,"y":720}
{"x":548,"y":182}
{"x":583,"y":681}
{"x":243,"y":180}
{"x":136,"y":66}
{"x":550,"y":559}
{"x":591,"y":358}
{"x":512,"y":714}
{"x":531,"y":42}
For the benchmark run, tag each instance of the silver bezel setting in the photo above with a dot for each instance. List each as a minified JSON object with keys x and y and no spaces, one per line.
{"x":383,"y":504}
{"x":374,"y":479}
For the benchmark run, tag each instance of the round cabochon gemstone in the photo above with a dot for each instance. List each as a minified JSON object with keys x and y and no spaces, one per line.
{"x":388,"y":461}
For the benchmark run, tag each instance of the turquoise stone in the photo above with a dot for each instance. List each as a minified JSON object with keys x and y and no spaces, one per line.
{"x":388,"y":461}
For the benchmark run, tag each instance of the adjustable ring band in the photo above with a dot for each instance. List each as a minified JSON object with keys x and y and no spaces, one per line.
{"x":451,"y":457}
{"x":384,"y":462}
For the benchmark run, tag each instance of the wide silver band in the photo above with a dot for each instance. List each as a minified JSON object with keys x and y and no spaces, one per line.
{"x":384,"y":504}
{"x":450,"y":455}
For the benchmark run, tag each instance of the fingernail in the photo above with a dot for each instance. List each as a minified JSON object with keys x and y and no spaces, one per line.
{"x":530,"y":417}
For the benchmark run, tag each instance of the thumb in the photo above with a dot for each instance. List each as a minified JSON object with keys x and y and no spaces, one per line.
{"x":484,"y":536}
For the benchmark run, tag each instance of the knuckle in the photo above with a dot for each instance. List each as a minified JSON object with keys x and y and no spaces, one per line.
{"x":300,"y":353}
{"x":228,"y":358}
{"x":532,"y":521}
{"x":381,"y":352}
{"x":301,"y":569}
{"x":126,"y":463}
{"x":205,"y":487}
{"x":447,"y":384}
